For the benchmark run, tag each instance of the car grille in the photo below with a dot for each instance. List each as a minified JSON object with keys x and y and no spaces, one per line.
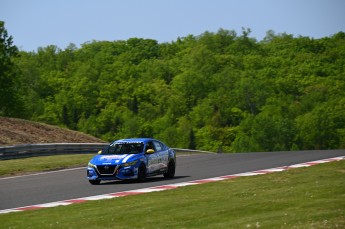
{"x":106,"y":169}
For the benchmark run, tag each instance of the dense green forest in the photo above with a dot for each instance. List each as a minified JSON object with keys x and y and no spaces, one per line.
{"x":213,"y":91}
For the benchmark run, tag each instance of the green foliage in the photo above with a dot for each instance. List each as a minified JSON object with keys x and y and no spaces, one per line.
{"x":10,"y":95}
{"x":213,"y":91}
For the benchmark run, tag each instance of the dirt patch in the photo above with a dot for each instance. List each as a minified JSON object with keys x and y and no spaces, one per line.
{"x":18,"y":131}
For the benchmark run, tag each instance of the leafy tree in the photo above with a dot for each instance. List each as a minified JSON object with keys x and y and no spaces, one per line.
{"x":213,"y":91}
{"x":10,"y":97}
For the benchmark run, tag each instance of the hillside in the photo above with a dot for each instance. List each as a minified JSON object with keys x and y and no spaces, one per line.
{"x":18,"y":131}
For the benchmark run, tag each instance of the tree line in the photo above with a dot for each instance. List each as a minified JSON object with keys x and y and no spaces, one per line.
{"x":217,"y":90}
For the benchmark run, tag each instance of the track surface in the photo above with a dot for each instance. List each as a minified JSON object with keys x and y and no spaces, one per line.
{"x":69,"y":184}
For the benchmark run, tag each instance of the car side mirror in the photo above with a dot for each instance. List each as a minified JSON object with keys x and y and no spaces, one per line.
{"x":150,"y":151}
{"x":99,"y":152}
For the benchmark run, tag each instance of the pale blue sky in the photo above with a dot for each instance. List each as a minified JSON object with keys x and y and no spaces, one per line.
{"x":38,"y":23}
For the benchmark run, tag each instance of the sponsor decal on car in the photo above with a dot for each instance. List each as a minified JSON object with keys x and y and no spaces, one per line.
{"x":111,"y":157}
{"x":126,"y":158}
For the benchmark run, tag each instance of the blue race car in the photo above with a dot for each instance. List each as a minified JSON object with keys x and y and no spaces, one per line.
{"x":135,"y":158}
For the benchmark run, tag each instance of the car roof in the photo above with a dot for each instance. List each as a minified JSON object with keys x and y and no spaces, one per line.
{"x":144,"y":140}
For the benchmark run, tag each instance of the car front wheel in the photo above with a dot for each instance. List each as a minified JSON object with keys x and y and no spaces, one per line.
{"x":142,"y":173}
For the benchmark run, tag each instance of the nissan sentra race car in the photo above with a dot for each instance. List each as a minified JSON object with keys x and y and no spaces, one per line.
{"x":135,"y":158}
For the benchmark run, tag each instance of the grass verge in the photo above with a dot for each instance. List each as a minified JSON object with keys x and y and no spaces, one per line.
{"x":44,"y":163}
{"x":311,"y":197}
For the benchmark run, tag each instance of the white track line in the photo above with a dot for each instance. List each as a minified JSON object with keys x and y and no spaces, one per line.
{"x":42,"y":173}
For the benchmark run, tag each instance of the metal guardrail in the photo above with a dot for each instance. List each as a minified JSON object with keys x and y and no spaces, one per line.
{"x":33,"y":150}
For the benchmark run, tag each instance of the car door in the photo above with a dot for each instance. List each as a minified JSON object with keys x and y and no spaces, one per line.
{"x":152,"y":159}
{"x":162,"y":154}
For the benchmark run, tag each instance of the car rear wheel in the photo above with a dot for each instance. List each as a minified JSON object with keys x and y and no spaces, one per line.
{"x":94,"y":182}
{"x":142,"y":173}
{"x":171,"y":170}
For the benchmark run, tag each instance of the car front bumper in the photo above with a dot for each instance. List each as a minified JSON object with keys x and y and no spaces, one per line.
{"x":121,"y":173}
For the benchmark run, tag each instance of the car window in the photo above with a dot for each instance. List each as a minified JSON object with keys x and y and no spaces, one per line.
{"x":124,"y":148}
{"x":157,"y":146}
{"x":149,"y":145}
{"x":110,"y":150}
{"x":164,"y":147}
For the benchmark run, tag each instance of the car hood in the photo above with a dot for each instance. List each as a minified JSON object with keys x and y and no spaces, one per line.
{"x":113,"y":159}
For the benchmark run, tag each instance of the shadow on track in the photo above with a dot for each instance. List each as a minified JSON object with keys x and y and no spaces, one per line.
{"x":148,"y":180}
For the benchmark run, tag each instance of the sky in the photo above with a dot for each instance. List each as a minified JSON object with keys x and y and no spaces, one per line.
{"x":39,"y":23}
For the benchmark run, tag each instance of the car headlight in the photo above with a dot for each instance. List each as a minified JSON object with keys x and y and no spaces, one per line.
{"x":91,"y":165}
{"x":130,"y":163}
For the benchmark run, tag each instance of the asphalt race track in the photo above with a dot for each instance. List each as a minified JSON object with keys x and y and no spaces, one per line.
{"x":70,"y":184}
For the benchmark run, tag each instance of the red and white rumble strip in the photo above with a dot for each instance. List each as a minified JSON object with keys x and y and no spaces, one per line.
{"x":167,"y":187}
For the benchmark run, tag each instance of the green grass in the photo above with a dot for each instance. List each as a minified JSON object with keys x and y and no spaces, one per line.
{"x":44,"y":163}
{"x":311,"y":197}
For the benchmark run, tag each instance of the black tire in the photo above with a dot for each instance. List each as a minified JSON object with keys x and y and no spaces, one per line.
{"x":142,"y":173}
{"x":171,"y":170}
{"x":94,"y":182}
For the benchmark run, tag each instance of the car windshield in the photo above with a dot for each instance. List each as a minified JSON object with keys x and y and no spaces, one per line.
{"x":124,"y":148}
